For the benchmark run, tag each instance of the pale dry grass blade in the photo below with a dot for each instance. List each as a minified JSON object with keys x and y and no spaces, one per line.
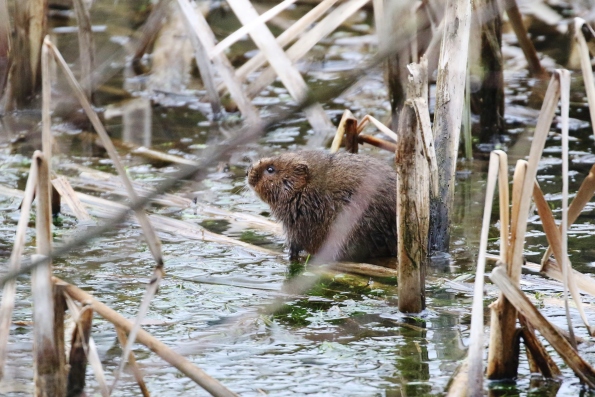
{"x":46,"y":97}
{"x":9,"y":290}
{"x":475,"y":354}
{"x":286,"y":37}
{"x":247,"y":28}
{"x":381,"y":127}
{"x":338,"y":139}
{"x":514,"y":295}
{"x":182,"y":364}
{"x":305,"y":43}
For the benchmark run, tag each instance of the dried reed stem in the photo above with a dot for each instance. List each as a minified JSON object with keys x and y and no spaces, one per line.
{"x":286,"y":37}
{"x":9,"y":290}
{"x":182,"y":364}
{"x":475,"y":354}
{"x":281,"y":63}
{"x":521,"y":303}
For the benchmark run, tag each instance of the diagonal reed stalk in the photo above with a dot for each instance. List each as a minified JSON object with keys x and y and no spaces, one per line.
{"x":9,"y":290}
{"x":148,"y":231}
{"x":524,"y":306}
{"x":502,"y":361}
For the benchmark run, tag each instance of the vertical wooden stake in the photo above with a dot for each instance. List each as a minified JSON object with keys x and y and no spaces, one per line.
{"x":450,"y":87}
{"x":412,"y":212}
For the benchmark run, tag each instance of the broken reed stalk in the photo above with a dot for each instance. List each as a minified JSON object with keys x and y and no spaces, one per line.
{"x":182,"y":364}
{"x":502,"y":362}
{"x":9,"y":290}
{"x":200,"y":28}
{"x":78,"y":353}
{"x":450,"y":87}
{"x":475,"y":354}
{"x":247,"y":28}
{"x":86,"y":46}
{"x":521,"y":303}
{"x":308,"y":40}
{"x":516,"y":21}
{"x":412,"y":212}
{"x":5,"y":47}
{"x":540,"y":357}
{"x":281,"y":63}
{"x":49,"y":365}
{"x":89,"y":347}
{"x":286,"y":37}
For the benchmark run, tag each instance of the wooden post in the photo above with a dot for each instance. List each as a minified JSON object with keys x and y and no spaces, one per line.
{"x":412,"y":212}
{"x":450,"y":87}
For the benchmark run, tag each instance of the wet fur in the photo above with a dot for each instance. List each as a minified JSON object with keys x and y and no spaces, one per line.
{"x":308,"y":190}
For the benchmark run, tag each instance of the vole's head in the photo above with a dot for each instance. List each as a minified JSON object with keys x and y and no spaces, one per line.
{"x":277,"y":180}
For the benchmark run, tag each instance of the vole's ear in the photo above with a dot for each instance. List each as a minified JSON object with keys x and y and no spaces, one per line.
{"x":301,"y":174}
{"x":301,"y":169}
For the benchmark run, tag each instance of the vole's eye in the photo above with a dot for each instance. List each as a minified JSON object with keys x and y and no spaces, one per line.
{"x":270,"y":169}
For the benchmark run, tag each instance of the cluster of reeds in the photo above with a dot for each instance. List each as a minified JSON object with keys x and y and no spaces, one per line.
{"x":513,"y":304}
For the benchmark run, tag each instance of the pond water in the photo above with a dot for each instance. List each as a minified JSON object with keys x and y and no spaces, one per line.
{"x":345,"y":335}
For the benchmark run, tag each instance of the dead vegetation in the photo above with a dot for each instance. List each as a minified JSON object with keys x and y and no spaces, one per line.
{"x":426,"y":155}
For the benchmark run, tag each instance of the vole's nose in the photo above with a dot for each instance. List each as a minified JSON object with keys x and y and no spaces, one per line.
{"x":248,"y":169}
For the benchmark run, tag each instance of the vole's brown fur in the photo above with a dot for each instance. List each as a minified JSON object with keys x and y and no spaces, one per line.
{"x":307,"y":190}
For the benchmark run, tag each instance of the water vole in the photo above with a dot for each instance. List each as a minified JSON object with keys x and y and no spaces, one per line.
{"x":343,"y":202}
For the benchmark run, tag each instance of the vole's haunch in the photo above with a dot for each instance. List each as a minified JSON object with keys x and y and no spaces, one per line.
{"x":340,"y":204}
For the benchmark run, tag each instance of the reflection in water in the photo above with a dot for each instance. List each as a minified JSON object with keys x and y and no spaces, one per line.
{"x":136,"y":120}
